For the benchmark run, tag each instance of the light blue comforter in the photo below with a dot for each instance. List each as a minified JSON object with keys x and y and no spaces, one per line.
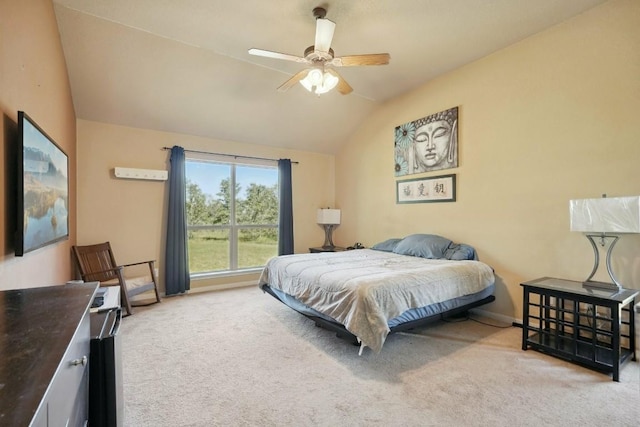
{"x":363,"y":289}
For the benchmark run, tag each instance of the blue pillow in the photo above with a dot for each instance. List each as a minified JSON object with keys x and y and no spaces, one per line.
{"x":386,"y":246}
{"x":423,"y":245}
{"x":461,"y":252}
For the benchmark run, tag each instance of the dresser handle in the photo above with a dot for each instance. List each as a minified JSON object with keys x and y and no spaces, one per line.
{"x":77,"y":362}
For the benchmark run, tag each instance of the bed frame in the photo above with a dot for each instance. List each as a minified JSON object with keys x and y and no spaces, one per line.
{"x":342,"y":332}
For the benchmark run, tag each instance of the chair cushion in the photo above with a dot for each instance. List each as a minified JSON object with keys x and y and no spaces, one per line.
{"x":135,"y":285}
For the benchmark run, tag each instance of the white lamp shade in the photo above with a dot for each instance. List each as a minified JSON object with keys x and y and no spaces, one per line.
{"x":328,"y":82}
{"x":329,"y":216}
{"x":319,"y":82}
{"x":606,"y":215}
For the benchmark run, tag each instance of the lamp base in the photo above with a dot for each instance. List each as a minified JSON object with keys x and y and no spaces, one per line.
{"x":603,"y":286}
{"x":607,"y":242}
{"x":328,"y":241}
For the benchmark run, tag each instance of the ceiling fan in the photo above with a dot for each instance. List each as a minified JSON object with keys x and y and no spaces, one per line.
{"x":320,"y":77}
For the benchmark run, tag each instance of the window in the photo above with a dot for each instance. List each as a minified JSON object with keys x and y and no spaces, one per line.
{"x":232,"y":215}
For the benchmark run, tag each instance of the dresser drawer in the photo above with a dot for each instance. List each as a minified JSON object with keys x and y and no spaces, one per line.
{"x":71,"y":381}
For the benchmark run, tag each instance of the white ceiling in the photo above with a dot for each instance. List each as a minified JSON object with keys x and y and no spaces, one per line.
{"x":182,"y":66}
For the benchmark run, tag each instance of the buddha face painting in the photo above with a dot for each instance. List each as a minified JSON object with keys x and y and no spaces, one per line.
{"x":435,"y":141}
{"x":432,"y":143}
{"x":426,"y":144}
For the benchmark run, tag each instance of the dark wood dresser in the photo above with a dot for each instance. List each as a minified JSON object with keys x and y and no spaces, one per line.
{"x":44,"y":352}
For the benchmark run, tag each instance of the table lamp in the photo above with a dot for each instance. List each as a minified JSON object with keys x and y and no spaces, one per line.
{"x":604,"y":219}
{"x":328,"y":218}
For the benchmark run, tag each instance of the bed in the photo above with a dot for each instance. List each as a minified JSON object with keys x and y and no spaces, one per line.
{"x":398,"y":284}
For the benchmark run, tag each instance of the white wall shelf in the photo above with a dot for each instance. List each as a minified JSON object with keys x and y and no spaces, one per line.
{"x":150,"y":174}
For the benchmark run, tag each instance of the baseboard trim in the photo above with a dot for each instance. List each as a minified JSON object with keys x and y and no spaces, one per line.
{"x":221,"y":287}
{"x":495,"y":316}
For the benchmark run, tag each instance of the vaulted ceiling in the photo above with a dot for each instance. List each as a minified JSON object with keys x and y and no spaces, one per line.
{"x":183,"y":66}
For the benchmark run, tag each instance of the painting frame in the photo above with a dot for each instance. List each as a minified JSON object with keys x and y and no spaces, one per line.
{"x":431,"y":189}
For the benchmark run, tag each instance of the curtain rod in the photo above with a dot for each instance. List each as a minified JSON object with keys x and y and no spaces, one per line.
{"x":235,"y":156}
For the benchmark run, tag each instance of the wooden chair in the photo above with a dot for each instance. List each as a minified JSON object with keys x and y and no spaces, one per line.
{"x":97,"y":263}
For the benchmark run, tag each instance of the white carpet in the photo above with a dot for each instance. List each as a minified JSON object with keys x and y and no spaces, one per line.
{"x":241,"y":358}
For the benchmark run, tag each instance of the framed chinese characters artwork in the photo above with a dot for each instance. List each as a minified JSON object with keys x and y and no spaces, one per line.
{"x":427,"y":144}
{"x":427,"y":190}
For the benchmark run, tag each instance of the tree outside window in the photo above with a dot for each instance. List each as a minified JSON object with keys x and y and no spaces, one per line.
{"x":232,"y":215}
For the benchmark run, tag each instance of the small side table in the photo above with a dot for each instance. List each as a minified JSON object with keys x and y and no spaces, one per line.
{"x":323,"y":249}
{"x":591,"y":327}
{"x":111,"y":299}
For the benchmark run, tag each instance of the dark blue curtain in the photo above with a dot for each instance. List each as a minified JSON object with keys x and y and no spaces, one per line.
{"x":176,"y":265}
{"x":285,"y":220}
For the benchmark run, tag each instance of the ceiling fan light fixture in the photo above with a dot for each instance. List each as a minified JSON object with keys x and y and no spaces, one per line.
{"x":314,"y":77}
{"x":319,"y":82}
{"x":329,"y":81}
{"x":321,"y":77}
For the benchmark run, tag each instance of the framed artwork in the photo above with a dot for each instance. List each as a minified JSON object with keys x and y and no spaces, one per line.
{"x":427,"y":144}
{"x":43,"y":188}
{"x":427,"y":190}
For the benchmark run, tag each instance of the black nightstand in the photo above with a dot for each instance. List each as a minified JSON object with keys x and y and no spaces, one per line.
{"x":322,"y":249}
{"x":592,"y":327}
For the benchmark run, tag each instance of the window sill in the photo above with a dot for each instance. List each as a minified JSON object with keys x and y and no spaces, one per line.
{"x":223,"y":274}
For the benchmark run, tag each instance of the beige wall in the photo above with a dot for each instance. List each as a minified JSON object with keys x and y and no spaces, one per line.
{"x":552,"y":118}
{"x":131,"y":213}
{"x":33,"y":78}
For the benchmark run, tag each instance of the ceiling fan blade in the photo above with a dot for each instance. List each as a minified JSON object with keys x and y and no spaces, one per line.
{"x":367,"y":59}
{"x":324,"y":34}
{"x":293,"y":80}
{"x":342,"y":86}
{"x":277,"y":55}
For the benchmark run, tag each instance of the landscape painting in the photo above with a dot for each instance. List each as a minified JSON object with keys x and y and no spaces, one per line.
{"x":45,"y":201}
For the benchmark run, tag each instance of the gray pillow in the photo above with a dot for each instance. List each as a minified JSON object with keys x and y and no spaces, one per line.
{"x":423,"y":245}
{"x":386,"y":246}
{"x":460,"y":252}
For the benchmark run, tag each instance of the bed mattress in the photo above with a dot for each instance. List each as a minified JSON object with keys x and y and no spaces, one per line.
{"x":365,"y":290}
